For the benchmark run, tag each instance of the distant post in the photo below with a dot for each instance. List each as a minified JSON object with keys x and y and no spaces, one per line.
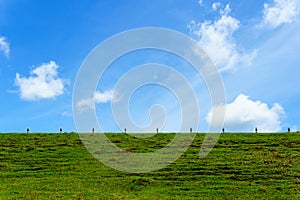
{"x":289,"y":130}
{"x":157,"y":130}
{"x":223,"y":130}
{"x":191,"y":130}
{"x":256,"y":130}
{"x":93,"y":131}
{"x":60,"y":130}
{"x":27,"y":130}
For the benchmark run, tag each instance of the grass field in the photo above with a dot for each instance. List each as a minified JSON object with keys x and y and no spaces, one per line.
{"x":241,"y":166}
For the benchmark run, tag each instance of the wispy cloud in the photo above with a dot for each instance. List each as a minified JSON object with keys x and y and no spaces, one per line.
{"x":66,"y":114}
{"x":216,"y":38}
{"x":200,"y":2}
{"x":4,"y":46}
{"x":43,"y":83}
{"x":280,"y":12}
{"x":244,"y":114}
{"x":99,"y":97}
{"x":215,"y":5}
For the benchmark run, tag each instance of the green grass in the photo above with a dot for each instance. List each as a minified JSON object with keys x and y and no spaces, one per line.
{"x":241,"y":166}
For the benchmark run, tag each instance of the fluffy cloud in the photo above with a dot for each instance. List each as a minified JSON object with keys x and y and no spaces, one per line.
{"x":243,"y":114}
{"x":4,"y":46}
{"x":280,"y":12}
{"x":99,"y":97}
{"x":216,"y":38}
{"x":43,"y":83}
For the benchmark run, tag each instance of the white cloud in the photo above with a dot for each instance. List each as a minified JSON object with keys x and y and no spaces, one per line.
{"x":226,"y":10}
{"x":104,"y":97}
{"x":280,"y":12}
{"x":43,"y":83}
{"x":200,"y":2}
{"x":4,"y":46}
{"x":99,"y":97}
{"x":66,"y":114}
{"x":215,"y":6}
{"x":216,"y":38}
{"x":243,"y":114}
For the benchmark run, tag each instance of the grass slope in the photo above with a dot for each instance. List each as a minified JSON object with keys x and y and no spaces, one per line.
{"x":241,"y":166}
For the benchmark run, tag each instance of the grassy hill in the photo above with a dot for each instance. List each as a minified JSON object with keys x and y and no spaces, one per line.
{"x":241,"y":166}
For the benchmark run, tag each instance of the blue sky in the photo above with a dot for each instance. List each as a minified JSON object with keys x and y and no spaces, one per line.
{"x":253,"y":44}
